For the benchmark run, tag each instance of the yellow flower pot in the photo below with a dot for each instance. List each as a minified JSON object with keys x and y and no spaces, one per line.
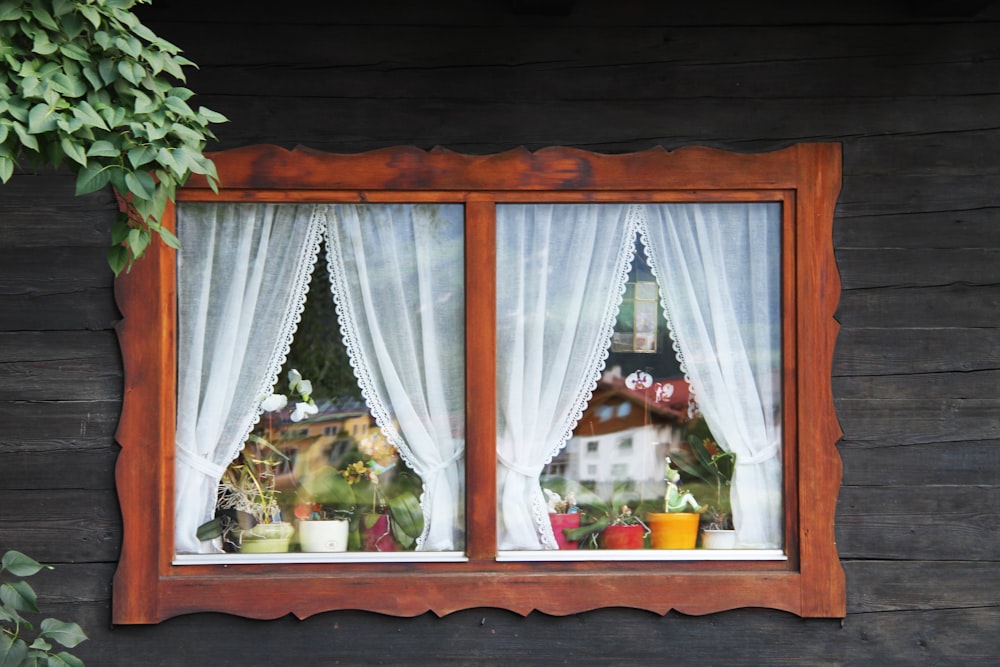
{"x":673,"y":530}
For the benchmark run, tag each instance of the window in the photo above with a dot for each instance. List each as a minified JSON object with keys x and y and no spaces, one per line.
{"x":500,"y":204}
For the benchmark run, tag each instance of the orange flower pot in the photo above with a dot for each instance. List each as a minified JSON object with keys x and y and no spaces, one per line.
{"x":673,"y":530}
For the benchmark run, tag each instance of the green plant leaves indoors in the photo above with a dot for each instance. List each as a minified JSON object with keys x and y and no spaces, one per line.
{"x":84,"y":83}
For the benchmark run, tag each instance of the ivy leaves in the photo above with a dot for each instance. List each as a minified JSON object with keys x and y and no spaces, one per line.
{"x":83,"y":82}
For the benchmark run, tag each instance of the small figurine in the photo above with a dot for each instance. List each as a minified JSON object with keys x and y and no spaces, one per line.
{"x":674,"y":500}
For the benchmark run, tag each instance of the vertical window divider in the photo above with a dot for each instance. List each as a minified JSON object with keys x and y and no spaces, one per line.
{"x":480,"y":400}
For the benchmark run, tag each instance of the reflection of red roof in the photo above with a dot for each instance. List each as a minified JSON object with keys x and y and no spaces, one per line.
{"x":674,"y":394}
{"x":611,"y":390}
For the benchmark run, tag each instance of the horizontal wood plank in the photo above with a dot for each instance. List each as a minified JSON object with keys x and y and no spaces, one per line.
{"x":969,"y":384}
{"x":491,"y":126}
{"x":962,"y":227}
{"x":881,"y":463}
{"x":61,"y":525}
{"x":954,"y":523}
{"x":51,"y":426}
{"x":866,"y":269}
{"x":898,"y":351}
{"x":533,"y":62}
{"x":40,"y":210}
{"x":91,"y":469}
{"x":914,"y":421}
{"x":953,"y":306}
{"x":59,"y":365}
{"x":937,"y":637}
{"x":881,"y":586}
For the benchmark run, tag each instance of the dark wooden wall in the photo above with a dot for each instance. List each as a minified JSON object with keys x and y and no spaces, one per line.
{"x":911,"y":89}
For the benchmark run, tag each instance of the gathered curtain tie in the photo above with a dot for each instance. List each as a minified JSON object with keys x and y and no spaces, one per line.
{"x":441,"y":465}
{"x":199,"y":463}
{"x":753,"y":458}
{"x":529,"y":470}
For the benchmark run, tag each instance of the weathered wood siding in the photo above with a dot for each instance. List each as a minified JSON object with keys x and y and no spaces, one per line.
{"x":913,"y":96}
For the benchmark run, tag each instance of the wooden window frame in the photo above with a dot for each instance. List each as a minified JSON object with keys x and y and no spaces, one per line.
{"x":148,"y":588}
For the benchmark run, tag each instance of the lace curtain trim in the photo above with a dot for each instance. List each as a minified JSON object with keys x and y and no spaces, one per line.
{"x":290,"y":323}
{"x":597,"y":359}
{"x":642,"y":224}
{"x":347,"y":322}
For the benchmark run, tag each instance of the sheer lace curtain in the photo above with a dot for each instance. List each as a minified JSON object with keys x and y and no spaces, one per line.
{"x":561,"y":272}
{"x":721,"y":290}
{"x":397,"y":274}
{"x":243,"y":272}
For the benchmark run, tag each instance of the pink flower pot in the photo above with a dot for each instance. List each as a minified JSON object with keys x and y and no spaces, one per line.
{"x":561,"y":522}
{"x":378,"y":537}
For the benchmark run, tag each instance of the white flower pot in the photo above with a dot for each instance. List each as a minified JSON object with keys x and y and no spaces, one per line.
{"x":324,"y":536}
{"x":718,"y":539}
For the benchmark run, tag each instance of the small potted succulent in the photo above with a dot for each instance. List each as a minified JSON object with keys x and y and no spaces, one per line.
{"x":676,"y":527}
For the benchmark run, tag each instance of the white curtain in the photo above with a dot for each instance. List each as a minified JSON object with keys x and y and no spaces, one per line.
{"x":720,"y":281}
{"x":561,"y":273}
{"x":397,"y":274}
{"x":242,"y":274}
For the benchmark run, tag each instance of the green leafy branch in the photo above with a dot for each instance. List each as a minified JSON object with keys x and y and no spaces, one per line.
{"x":17,"y":597}
{"x":86,"y":83}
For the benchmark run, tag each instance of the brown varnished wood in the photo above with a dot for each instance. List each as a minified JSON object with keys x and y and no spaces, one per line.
{"x":144,"y":473}
{"x":820,"y":468}
{"x":811,"y":583}
{"x":480,"y":327}
{"x":408,"y":168}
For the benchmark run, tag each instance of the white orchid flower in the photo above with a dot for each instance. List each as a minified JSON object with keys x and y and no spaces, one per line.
{"x":296,"y":384}
{"x":302,"y":410}
{"x":306,"y":389}
{"x":274,"y":402}
{"x":294,"y":380}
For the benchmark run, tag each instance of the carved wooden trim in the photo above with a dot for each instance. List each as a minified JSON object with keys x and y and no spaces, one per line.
{"x":805,"y":178}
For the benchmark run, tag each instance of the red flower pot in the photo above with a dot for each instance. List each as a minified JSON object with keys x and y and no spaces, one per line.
{"x":622,"y":537}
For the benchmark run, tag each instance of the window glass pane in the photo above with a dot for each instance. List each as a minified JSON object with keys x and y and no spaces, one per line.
{"x":341,"y":465}
{"x":641,"y":444}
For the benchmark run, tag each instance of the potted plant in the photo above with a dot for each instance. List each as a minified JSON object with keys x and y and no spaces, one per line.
{"x":605,"y":523}
{"x":564,"y":515}
{"x":676,"y":527}
{"x":248,"y":489}
{"x":248,"y":514}
{"x":626,"y":531}
{"x":374,"y":515}
{"x":714,"y":467}
{"x":393,"y":517}
{"x":325,"y":509}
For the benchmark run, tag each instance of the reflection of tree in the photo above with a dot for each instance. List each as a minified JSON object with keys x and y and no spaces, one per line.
{"x":318,"y":351}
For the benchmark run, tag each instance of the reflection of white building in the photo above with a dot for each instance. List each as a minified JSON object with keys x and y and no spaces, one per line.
{"x":624,"y":436}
